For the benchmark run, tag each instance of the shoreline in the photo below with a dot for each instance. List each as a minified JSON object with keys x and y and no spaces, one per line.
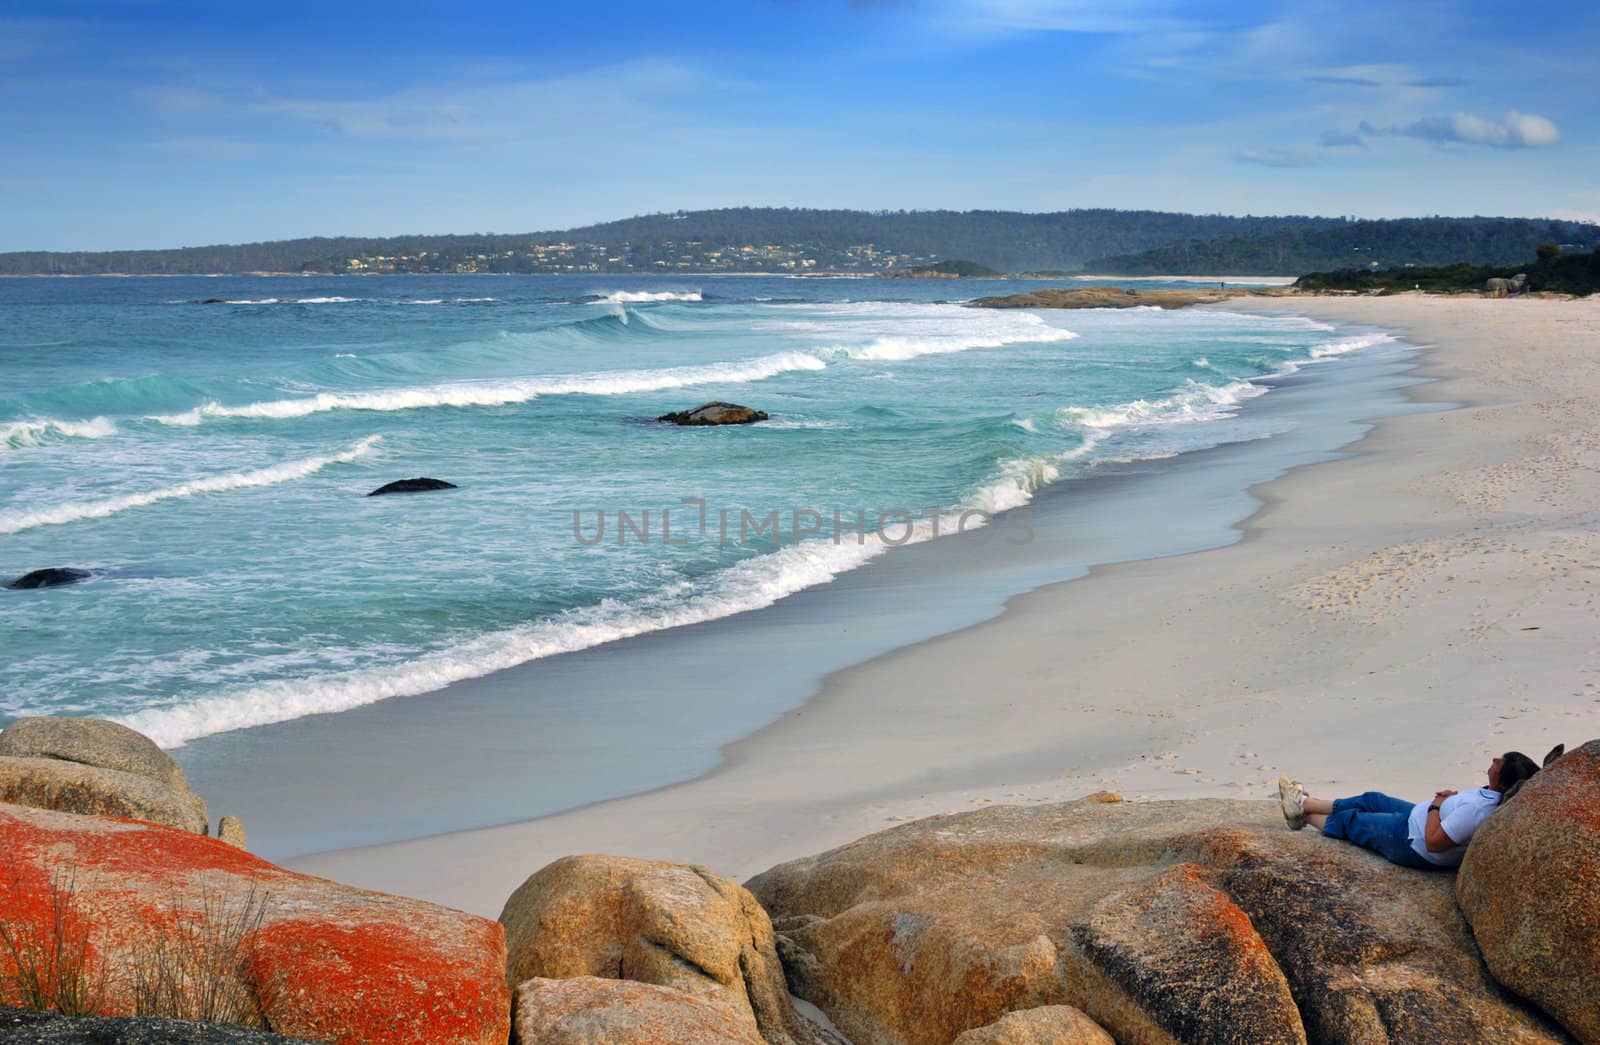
{"x":1264,"y":657}
{"x":635,"y":715}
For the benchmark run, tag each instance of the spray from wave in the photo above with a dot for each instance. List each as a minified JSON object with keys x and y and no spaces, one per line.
{"x":17,"y":521}
{"x":14,"y":435}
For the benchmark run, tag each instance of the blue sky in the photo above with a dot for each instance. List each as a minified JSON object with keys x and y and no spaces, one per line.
{"x":147,"y":124}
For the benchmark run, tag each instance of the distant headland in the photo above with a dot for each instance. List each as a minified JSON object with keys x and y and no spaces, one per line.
{"x":926,"y":244}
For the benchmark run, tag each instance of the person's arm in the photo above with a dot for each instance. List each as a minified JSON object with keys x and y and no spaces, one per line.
{"x":1434,"y":836}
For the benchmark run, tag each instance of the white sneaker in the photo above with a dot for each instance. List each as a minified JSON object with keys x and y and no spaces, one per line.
{"x":1291,"y":793}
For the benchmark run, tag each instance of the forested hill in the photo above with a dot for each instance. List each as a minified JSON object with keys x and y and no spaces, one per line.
{"x":783,"y":240}
{"x":1357,"y":244}
{"x":734,"y":239}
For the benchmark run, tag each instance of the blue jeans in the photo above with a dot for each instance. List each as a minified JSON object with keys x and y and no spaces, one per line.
{"x":1377,"y":822}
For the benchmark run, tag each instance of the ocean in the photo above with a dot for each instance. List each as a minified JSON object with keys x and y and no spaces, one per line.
{"x":209,"y":464}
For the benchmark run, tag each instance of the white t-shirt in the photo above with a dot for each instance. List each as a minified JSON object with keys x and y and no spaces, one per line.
{"x":1459,"y":815}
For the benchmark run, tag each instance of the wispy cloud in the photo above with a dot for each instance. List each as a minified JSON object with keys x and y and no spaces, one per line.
{"x":1342,"y":139}
{"x":1277,"y":158}
{"x":1439,"y":81}
{"x":1344,"y":81}
{"x":1515,"y":131}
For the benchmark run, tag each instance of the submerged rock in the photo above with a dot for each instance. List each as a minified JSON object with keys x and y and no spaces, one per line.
{"x":1530,"y":887}
{"x":716,"y":413}
{"x":665,"y":924}
{"x":1195,"y":922}
{"x":51,"y":577}
{"x":307,"y":957}
{"x":421,"y":484}
{"x":587,"y":1010}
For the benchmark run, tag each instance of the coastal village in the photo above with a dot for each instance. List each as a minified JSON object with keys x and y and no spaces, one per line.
{"x":664,"y":256}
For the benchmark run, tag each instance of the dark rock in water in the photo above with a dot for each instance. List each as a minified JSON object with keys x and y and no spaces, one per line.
{"x":217,"y":301}
{"x":50,"y":578}
{"x":716,"y":414}
{"x":418,"y":485}
{"x":50,"y":1028}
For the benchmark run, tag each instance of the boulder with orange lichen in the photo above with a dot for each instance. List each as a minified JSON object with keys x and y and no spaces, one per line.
{"x":1530,"y":887}
{"x":589,"y":1010}
{"x":672,"y":925}
{"x":1163,"y":922}
{"x":306,"y":957}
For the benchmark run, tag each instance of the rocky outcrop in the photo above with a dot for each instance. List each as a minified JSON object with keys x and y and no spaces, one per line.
{"x":72,"y":787}
{"x":591,"y":1011}
{"x":1530,"y":887}
{"x":421,"y":484}
{"x":230,"y":830}
{"x":48,"y":1028}
{"x":665,"y":924}
{"x":1109,"y":297}
{"x":50,"y":577}
{"x":93,"y":742}
{"x":307,"y":957}
{"x":1164,"y":922}
{"x":1046,"y":1025}
{"x":716,"y":413}
{"x":96,"y":767}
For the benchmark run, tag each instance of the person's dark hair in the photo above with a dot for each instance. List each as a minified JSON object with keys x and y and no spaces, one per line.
{"x":1515,"y":767}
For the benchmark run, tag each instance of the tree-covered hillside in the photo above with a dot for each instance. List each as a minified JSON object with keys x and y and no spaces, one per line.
{"x":734,"y":239}
{"x":1357,"y":244}
{"x":779,"y":239}
{"x":1551,"y":271}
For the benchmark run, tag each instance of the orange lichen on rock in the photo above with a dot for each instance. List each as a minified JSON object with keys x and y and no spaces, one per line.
{"x":324,"y":961}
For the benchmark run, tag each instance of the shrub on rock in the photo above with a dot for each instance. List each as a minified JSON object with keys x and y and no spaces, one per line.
{"x":1530,"y":887}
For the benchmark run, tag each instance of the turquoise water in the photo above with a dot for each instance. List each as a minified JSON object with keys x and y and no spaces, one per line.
{"x":209,"y":463}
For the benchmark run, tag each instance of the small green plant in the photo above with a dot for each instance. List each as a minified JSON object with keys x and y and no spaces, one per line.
{"x":48,"y":963}
{"x":196,"y":965}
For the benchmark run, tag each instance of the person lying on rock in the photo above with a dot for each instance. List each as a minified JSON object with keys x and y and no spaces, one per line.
{"x":1411,"y":834}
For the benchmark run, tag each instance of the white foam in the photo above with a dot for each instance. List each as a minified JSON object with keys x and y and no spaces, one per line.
{"x":618,"y":297}
{"x":17,"y":521}
{"x":500,"y":393}
{"x":17,"y":434}
{"x":888,"y":349}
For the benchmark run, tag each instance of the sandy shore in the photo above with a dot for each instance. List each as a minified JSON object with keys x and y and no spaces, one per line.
{"x":1392,"y":620}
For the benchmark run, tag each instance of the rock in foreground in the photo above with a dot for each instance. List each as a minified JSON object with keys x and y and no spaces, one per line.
{"x":93,"y":742}
{"x":716,"y":413}
{"x":421,"y":484}
{"x":50,"y":577}
{"x":95,"y":767}
{"x":313,"y":959}
{"x":592,"y":1011}
{"x":658,"y":923}
{"x":1046,"y":1025}
{"x":47,"y":1028}
{"x":1192,"y":922}
{"x":1530,"y":887}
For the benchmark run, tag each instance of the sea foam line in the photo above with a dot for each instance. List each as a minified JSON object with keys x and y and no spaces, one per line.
{"x":500,"y":393}
{"x":17,"y":434}
{"x":894,"y":348}
{"x":15,"y":522}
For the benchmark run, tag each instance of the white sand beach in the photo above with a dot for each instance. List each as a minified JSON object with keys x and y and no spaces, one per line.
{"x":1389,"y":620}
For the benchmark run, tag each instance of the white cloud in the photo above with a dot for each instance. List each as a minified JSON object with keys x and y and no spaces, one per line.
{"x":1515,"y":131}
